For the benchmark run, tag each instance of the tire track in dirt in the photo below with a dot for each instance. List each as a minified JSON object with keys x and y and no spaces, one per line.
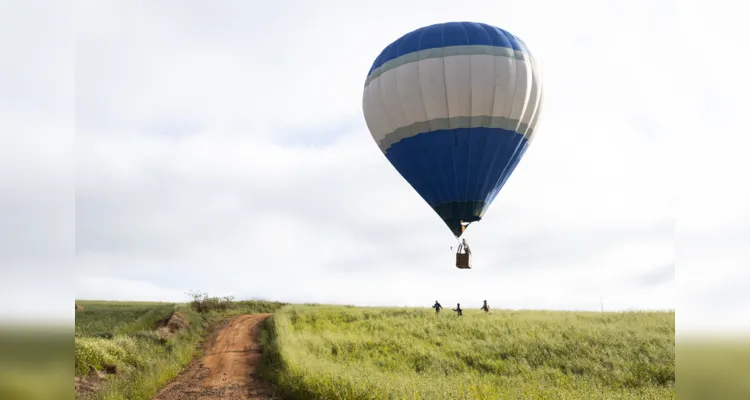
{"x":226,"y":370}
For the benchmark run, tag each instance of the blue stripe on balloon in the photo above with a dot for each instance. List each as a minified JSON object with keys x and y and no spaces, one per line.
{"x":456,"y":165}
{"x":445,"y":35}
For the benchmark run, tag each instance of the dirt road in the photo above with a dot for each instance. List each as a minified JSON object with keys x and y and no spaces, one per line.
{"x":226,"y":370}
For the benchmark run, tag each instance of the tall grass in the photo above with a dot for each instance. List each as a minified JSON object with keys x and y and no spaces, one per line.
{"x":245,"y":307}
{"x":145,"y":360}
{"x":226,"y":306}
{"x":123,"y":335}
{"x":357,"y":353}
{"x":150,"y":361}
{"x":110,"y":319}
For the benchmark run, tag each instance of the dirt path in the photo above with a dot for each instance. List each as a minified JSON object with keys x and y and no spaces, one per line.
{"x":226,"y":370}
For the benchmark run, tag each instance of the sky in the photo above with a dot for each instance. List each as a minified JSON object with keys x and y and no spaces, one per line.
{"x":222,"y":147}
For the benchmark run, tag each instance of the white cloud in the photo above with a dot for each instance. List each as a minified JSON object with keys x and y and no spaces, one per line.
{"x":223,"y":148}
{"x":188,"y":172}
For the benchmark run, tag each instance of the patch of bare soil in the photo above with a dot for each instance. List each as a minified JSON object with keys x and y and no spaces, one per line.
{"x":226,"y":371}
{"x":172,"y":325}
{"x":93,"y":381}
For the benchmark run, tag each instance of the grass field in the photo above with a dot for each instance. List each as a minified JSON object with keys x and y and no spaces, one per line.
{"x":106,"y":319}
{"x":357,"y":353}
{"x":331,"y":352}
{"x":125,"y":335}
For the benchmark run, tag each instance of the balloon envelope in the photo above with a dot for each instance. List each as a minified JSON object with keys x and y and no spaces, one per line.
{"x":453,"y":107}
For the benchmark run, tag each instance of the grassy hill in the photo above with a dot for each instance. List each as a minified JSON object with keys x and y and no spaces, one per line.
{"x":336,"y":352}
{"x":376,"y":353}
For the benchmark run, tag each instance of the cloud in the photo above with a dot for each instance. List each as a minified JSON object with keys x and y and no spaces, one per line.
{"x":657,"y":276}
{"x":223,"y":148}
{"x":235,"y":156}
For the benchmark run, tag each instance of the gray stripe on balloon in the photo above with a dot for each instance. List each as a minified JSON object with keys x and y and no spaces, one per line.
{"x":439,"y":52}
{"x":481,"y":121}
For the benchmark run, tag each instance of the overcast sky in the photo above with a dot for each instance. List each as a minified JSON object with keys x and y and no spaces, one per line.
{"x":221,"y":147}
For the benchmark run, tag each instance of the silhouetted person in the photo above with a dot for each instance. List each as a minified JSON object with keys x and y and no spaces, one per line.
{"x":485,"y":307}
{"x":437,"y":307}
{"x":458,"y":309}
{"x":466,"y":246}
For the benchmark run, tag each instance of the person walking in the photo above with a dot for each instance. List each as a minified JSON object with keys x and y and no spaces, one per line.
{"x":458,"y":309}
{"x":437,"y":307}
{"x":485,"y":307}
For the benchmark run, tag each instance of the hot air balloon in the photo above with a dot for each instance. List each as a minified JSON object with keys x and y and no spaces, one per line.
{"x":453,"y":106}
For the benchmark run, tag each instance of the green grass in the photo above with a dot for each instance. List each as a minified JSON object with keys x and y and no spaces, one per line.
{"x":247,"y":307}
{"x":107,"y":319}
{"x":370,"y":353}
{"x":122,"y":334}
{"x":328,"y":352}
{"x":145,"y":360}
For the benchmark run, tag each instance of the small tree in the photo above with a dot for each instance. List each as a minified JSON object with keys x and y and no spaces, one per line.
{"x":202,"y":303}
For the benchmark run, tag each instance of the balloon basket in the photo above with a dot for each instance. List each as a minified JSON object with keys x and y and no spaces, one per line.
{"x":463,"y":261}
